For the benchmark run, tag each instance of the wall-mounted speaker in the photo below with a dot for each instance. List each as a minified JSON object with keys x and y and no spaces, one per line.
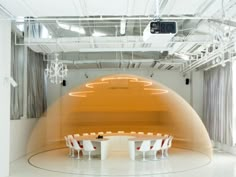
{"x":187,"y":81}
{"x":64,"y":83}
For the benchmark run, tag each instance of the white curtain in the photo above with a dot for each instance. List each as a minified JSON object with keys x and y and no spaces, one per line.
{"x":36,"y":98}
{"x":218,"y":104}
{"x":17,"y":71}
{"x":234,"y":103}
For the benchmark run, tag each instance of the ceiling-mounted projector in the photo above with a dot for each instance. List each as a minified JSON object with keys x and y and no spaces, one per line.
{"x":159,"y":31}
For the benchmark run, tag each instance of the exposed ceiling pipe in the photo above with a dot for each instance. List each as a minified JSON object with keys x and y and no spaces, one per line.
{"x":225,"y":22}
{"x":217,"y":64}
{"x":6,"y":12}
{"x":117,"y":61}
{"x":164,"y":17}
{"x":207,"y":59}
{"x":204,"y":6}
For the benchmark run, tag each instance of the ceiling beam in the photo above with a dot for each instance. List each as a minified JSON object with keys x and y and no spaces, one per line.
{"x":121,"y":49}
{"x":163,"y":17}
{"x":225,"y":22}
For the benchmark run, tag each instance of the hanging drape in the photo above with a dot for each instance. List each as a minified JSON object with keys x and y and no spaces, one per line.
{"x":36,"y":98}
{"x":218,"y":104}
{"x":234,"y":101}
{"x":17,"y":73}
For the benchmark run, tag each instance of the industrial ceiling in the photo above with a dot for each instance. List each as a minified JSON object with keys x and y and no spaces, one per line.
{"x":109,"y":33}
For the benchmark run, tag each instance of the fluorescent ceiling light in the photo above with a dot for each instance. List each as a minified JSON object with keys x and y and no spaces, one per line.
{"x":122,"y":26}
{"x":63,"y":25}
{"x":77,"y":29}
{"x":98,"y":34}
{"x":183,"y":56}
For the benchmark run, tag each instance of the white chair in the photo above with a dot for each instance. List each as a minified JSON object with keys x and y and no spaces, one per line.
{"x":92,"y":133}
{"x":70,"y":137}
{"x":108,"y":132}
{"x":166,"y":135}
{"x":88,"y":146}
{"x":120,"y":132}
{"x":149,"y":133}
{"x":145,"y":146}
{"x":141,"y":133}
{"x":132,"y":132}
{"x":159,"y":134}
{"x":85,"y":134}
{"x":164,"y":147}
{"x":100,"y":133}
{"x":76,"y":135}
{"x":156,"y":147}
{"x":169,"y":145}
{"x":77,"y":147}
{"x":68,"y":145}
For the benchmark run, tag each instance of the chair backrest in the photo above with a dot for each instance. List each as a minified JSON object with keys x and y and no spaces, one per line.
{"x":76,"y":135}
{"x":133,"y":132}
{"x":157,"y":144}
{"x":140,"y":133}
{"x":76,"y":145}
{"x":149,"y":133}
{"x":67,"y":143}
{"x":166,"y":135}
{"x":165,"y":144}
{"x":158,"y":134}
{"x":108,"y":132}
{"x":100,"y":133}
{"x":145,"y":146}
{"x":70,"y":138}
{"x":120,"y":131}
{"x":170,"y":141}
{"x":85,"y":134}
{"x":92,"y":133}
{"x":88,"y":146}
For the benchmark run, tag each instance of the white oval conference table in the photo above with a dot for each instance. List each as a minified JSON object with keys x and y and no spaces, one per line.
{"x":117,"y":142}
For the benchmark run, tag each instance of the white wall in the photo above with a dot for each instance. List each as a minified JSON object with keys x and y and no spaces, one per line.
{"x":26,"y":135}
{"x":5,"y":63}
{"x":197,"y":92}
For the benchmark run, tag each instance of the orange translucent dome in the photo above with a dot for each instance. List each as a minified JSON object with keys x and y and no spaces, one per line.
{"x":127,"y":103}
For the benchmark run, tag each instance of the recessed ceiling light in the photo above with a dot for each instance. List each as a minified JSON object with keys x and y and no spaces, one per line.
{"x":98,"y":34}
{"x":182,"y":56}
{"x":122,"y":26}
{"x":77,"y":29}
{"x":63,"y":25}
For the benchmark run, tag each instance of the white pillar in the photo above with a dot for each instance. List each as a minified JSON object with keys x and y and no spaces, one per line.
{"x":5,"y":64}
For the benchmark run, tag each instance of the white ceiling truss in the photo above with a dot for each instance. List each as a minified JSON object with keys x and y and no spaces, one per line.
{"x":205,"y":37}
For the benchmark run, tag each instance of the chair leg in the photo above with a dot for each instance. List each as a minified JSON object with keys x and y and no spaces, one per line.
{"x":89,"y":155}
{"x":72,"y":153}
{"x":69,"y":154}
{"x":144,"y":156}
{"x":155,"y":155}
{"x":81,"y":153}
{"x":167,"y":153}
{"x":78,"y":155}
{"x":162,"y":153}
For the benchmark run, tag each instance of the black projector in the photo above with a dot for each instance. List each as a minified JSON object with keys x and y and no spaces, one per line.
{"x":159,"y":27}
